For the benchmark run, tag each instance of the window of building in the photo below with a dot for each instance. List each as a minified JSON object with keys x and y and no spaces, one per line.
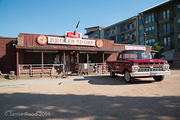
{"x":140,"y":33}
{"x":164,"y":15}
{"x":178,"y":7}
{"x":167,"y":42}
{"x":107,"y":32}
{"x":150,"y":42}
{"x":146,"y":20}
{"x":149,"y":30}
{"x":113,"y":31}
{"x":168,"y":14}
{"x":178,"y":36}
{"x":178,"y":23}
{"x":164,"y":28}
{"x":140,"y":22}
{"x":152,"y":17}
{"x":168,"y":28}
{"x":152,"y":28}
{"x":149,"y":19}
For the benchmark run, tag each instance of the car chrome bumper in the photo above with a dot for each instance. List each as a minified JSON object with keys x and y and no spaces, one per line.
{"x":150,"y":74}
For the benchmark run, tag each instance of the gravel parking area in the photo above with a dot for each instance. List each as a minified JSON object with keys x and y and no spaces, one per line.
{"x":90,"y":98}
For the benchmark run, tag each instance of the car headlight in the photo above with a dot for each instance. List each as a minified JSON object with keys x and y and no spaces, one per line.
{"x":165,"y":67}
{"x":135,"y":68}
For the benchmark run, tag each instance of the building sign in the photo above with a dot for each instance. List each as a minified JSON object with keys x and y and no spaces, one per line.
{"x":71,"y":41}
{"x":73,"y":35}
{"x":99,"y":43}
{"x":42,"y":40}
{"x":128,"y":47}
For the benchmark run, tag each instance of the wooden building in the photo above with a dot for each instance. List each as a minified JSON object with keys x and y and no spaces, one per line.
{"x":48,"y":55}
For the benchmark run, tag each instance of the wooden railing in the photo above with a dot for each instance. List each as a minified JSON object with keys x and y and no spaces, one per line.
{"x":89,"y":68}
{"x":40,"y":69}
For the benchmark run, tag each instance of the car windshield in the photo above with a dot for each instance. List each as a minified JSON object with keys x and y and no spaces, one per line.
{"x":135,"y":55}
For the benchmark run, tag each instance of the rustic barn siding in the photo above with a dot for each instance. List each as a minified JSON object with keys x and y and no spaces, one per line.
{"x":30,"y":40}
{"x":7,"y":55}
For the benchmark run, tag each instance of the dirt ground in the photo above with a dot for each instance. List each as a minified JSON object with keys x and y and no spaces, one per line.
{"x":90,"y":98}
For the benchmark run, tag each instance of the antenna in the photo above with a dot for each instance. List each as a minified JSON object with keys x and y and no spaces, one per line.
{"x":76,"y":27}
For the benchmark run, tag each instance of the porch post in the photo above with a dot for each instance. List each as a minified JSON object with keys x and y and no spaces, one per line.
{"x":87,"y":57}
{"x":17,"y":63}
{"x":103,"y":57}
{"x":42,"y":62}
{"x":77,"y":57}
{"x":64,"y":59}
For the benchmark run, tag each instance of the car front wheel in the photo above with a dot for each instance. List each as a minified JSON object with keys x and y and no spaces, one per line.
{"x":112,"y":74}
{"x":158,"y":78}
{"x":128,"y":77}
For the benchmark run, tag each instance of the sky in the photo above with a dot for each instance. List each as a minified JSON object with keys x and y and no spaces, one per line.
{"x":55,"y":17}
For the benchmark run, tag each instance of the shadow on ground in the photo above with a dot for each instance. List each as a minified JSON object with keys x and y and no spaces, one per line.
{"x":107,"y":80}
{"x":24,"y":106}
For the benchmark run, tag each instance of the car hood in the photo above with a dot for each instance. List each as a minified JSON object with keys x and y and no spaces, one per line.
{"x":149,"y":61}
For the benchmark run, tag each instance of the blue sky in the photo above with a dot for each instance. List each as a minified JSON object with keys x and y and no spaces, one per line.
{"x":58,"y":16}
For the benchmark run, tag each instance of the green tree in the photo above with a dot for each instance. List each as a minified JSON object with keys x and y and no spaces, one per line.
{"x":157,"y":47}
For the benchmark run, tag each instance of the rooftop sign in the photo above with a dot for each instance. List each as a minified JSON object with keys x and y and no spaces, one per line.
{"x":73,"y":35}
{"x":71,"y":41}
{"x":128,"y":47}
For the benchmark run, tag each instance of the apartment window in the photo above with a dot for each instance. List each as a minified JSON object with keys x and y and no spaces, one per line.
{"x":113,"y":31}
{"x":168,"y":28}
{"x":149,"y":18}
{"x":179,"y":36}
{"x":140,"y":33}
{"x":131,"y":26}
{"x":146,"y":20}
{"x":140,"y":22}
{"x":167,"y":42}
{"x":164,"y":15}
{"x":178,"y":23}
{"x":149,"y":30}
{"x":152,"y":17}
{"x":178,"y":7}
{"x":150,"y":42}
{"x":168,"y":13}
{"x":153,"y":28}
{"x":107,"y":32}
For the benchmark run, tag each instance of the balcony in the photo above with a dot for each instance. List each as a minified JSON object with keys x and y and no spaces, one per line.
{"x":128,"y":30}
{"x":165,"y":20}
{"x":127,"y":41}
{"x":163,"y":34}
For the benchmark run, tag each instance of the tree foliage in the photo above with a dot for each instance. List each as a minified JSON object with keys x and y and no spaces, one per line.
{"x":157,"y":47}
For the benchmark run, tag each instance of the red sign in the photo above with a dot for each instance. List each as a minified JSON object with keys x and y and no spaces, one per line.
{"x":73,"y":35}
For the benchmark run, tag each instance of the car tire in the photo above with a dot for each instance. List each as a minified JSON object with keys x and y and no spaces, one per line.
{"x":158,"y":78}
{"x":128,"y":77}
{"x":112,"y":74}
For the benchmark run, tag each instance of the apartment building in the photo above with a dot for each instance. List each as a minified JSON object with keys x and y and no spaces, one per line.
{"x":162,"y":25}
{"x":95,"y":32}
{"x":124,"y":32}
